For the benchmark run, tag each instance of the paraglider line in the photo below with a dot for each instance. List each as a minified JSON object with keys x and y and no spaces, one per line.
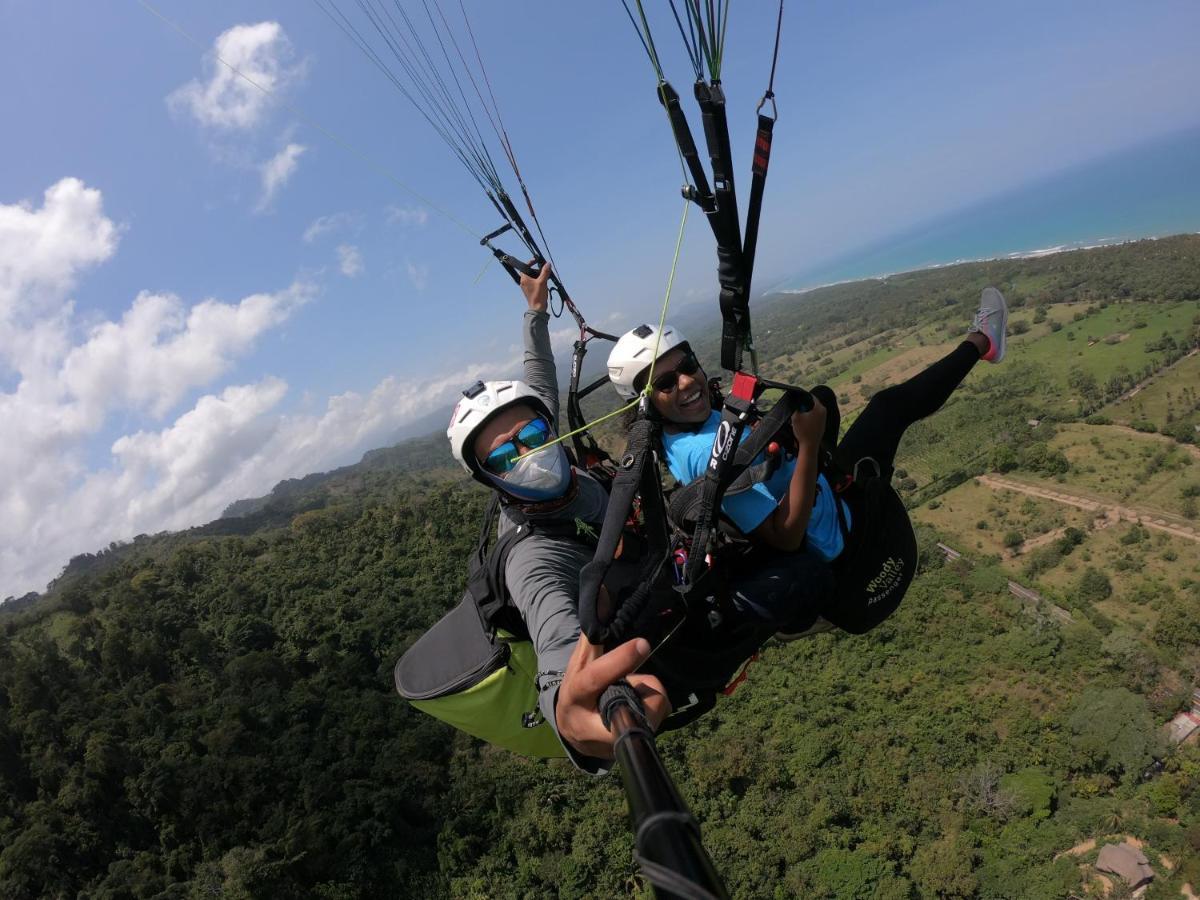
{"x":662,"y":318}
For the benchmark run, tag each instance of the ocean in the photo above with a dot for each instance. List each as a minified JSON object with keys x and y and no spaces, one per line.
{"x":1150,"y":190}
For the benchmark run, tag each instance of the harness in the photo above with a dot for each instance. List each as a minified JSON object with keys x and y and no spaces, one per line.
{"x":673,"y":589}
{"x":476,"y":668}
{"x":681,"y":594}
{"x":486,"y":579}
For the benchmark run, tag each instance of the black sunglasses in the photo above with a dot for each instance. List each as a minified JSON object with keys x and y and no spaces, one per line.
{"x":668,"y":381}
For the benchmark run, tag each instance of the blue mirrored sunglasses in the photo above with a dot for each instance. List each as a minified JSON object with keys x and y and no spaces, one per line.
{"x":502,"y":459}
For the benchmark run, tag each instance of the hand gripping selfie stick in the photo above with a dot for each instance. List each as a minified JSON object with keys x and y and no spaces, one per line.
{"x":667,"y":835}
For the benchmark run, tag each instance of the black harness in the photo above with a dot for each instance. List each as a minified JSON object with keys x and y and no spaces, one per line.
{"x":486,"y":580}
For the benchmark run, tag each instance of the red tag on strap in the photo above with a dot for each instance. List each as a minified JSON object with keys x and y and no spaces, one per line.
{"x":744,"y":385}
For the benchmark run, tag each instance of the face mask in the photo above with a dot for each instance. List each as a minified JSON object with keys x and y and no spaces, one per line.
{"x":545,"y":475}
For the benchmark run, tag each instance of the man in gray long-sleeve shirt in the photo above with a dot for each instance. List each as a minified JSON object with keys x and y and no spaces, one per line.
{"x":492,"y":432}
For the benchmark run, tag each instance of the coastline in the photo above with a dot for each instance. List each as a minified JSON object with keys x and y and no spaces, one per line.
{"x":1037,"y":253}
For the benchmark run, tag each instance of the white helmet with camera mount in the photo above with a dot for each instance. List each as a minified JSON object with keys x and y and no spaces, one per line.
{"x":634,"y":352}
{"x":479,"y":403}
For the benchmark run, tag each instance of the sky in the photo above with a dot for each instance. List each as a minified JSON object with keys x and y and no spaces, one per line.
{"x":205,"y":289}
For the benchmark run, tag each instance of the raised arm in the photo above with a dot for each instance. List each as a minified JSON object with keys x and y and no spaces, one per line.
{"x":540,"y":372}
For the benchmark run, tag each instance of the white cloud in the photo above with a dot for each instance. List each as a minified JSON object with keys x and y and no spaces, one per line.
{"x":183,"y":463}
{"x":229,"y":446}
{"x":160,"y":349}
{"x":68,"y":389}
{"x":159,"y":480}
{"x":418,"y":274}
{"x":415,"y":216}
{"x":225,"y":100}
{"x":175,"y":469}
{"x":276,"y":172}
{"x":42,"y":251}
{"x":350,"y":260}
{"x":323,"y":225}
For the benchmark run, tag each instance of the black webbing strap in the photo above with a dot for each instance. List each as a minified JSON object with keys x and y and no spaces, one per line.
{"x":711,"y":99}
{"x":686,"y":501}
{"x":720,"y":207}
{"x":477,"y":564}
{"x":636,"y":475}
{"x":701,"y":193}
{"x":735,"y":416}
{"x":484,"y":582}
{"x":727,"y":463}
{"x":587,"y":450}
{"x":758,"y":171}
{"x":762,"y":159}
{"x":486,"y":578}
{"x":735,"y":308}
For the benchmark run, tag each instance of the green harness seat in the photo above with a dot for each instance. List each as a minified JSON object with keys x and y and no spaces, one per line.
{"x":476,"y":668}
{"x":482,"y":683}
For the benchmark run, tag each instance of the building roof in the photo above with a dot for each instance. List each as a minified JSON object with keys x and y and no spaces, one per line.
{"x":1128,"y":862}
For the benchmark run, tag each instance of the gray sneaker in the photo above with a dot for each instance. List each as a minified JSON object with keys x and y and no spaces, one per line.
{"x":992,"y":322}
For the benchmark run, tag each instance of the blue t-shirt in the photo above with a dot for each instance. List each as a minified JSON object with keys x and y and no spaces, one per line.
{"x":687,"y":457}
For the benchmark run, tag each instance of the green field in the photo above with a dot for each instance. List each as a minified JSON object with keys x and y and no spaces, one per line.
{"x":1120,"y":466}
{"x":1145,"y":567}
{"x":1144,"y":573}
{"x":958,"y":513}
{"x":1103,"y":343}
{"x":1170,"y":397}
{"x":1098,"y":341}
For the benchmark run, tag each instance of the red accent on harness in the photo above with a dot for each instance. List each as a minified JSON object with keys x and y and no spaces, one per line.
{"x":773,"y":448}
{"x":733,"y":685}
{"x":762,"y":153}
{"x":744,"y":385}
{"x":842,"y":486}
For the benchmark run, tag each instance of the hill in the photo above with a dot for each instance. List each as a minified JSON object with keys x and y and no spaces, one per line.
{"x":211,"y":712}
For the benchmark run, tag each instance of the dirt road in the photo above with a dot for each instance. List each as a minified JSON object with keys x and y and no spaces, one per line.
{"x":1112,"y":511}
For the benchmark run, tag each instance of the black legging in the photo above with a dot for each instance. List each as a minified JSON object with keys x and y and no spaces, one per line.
{"x":876,"y":433}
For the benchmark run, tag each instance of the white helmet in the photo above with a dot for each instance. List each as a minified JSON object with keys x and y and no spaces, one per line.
{"x":480,"y":402}
{"x":634,"y":352}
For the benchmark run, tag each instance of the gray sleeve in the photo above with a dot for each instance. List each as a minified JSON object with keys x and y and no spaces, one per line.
{"x":540,"y":372}
{"x":543,"y":580}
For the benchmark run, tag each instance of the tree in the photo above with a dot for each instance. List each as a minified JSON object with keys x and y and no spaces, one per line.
{"x":944,"y":868}
{"x":1112,"y":732}
{"x":1093,"y":586}
{"x":1178,"y":627}
{"x":1003,"y":458}
{"x":1033,"y":792}
{"x":1085,"y":385}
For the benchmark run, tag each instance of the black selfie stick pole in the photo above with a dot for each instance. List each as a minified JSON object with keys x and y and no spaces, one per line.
{"x":667,"y":835}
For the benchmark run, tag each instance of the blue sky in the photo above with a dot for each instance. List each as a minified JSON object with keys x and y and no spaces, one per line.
{"x":171,"y":341}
